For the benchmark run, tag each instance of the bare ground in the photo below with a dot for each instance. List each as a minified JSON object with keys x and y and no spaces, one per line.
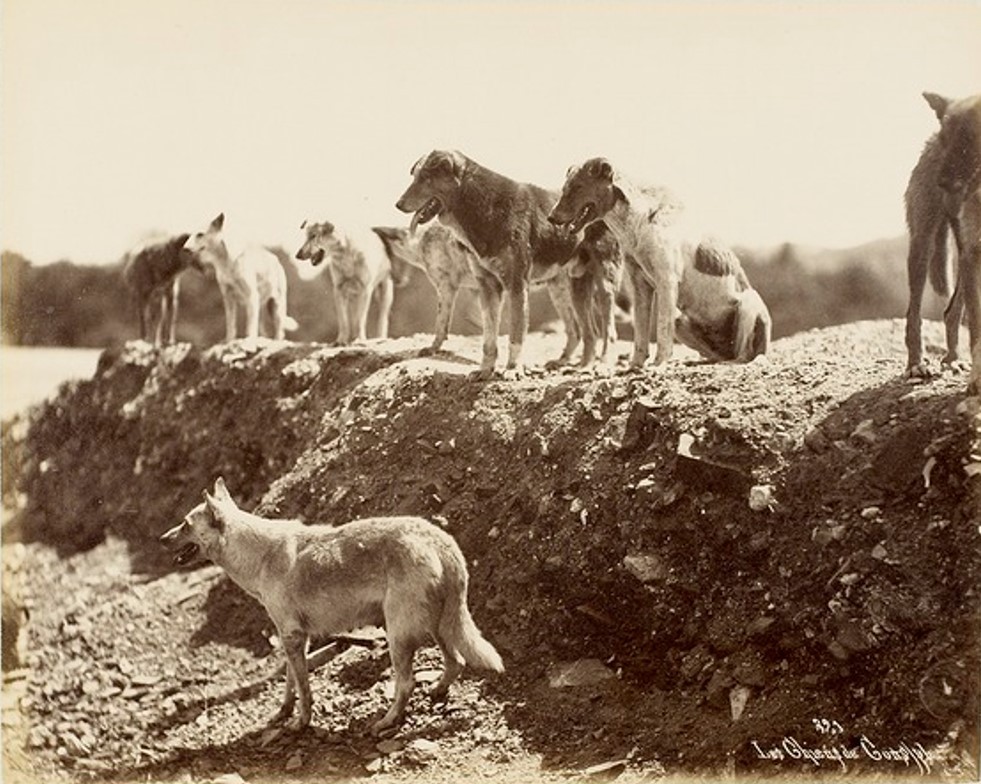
{"x":607,"y":522}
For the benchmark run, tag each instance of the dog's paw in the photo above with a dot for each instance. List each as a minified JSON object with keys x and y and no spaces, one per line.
{"x":920,"y":370}
{"x":955,"y":364}
{"x":513,"y":374}
{"x":482,"y":375}
{"x":384,"y":727}
{"x":428,"y":351}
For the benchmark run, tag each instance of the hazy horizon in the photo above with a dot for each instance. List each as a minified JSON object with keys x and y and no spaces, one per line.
{"x":775,"y":121}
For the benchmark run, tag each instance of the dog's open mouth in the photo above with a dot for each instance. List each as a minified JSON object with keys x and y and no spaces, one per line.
{"x":586,"y":215}
{"x":317,"y":256}
{"x":186,"y":554}
{"x":426,"y":213}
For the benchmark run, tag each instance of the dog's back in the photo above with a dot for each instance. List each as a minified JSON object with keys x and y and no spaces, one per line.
{"x":154,"y":264}
{"x":494,"y":211}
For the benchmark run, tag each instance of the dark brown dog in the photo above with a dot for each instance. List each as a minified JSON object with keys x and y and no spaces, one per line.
{"x":505,"y":223}
{"x":152,"y":273}
{"x":943,"y":198}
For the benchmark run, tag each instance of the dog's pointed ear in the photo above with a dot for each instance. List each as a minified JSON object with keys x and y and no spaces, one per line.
{"x":221,"y":492}
{"x":938,"y":103}
{"x":327,"y":227}
{"x":303,"y":225}
{"x":218,"y":222}
{"x":215,"y":511}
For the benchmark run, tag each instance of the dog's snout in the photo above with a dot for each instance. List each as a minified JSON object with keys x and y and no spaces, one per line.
{"x":400,"y":205}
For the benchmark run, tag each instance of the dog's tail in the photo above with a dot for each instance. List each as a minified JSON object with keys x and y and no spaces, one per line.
{"x":290,"y":324}
{"x":458,"y":630}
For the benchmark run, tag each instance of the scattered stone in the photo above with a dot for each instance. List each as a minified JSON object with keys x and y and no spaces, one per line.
{"x":391,"y":746}
{"x":646,"y":567}
{"x":871,"y":513}
{"x":738,"y":697}
{"x":760,"y":626}
{"x":421,"y":751}
{"x":761,"y":497}
{"x":641,"y":426}
{"x":374,"y":766}
{"x":879,"y":552}
{"x":816,"y":440}
{"x":295,"y":762}
{"x":584,"y":672}
{"x":718,"y":686}
{"x":229,"y":778}
{"x":270,"y":735}
{"x":704,"y":474}
{"x":606,"y":770}
{"x":865,"y":432}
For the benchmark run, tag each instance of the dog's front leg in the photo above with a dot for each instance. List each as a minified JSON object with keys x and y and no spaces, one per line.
{"x":295,"y":645}
{"x":358,"y":314}
{"x":518,"y":301}
{"x":231,"y":314}
{"x":340,"y":311}
{"x":446,"y":293}
{"x":643,"y":300}
{"x":667,"y":305}
{"x":490,"y":296}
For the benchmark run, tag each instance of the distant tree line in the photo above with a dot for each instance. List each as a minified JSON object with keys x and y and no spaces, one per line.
{"x":66,"y":304}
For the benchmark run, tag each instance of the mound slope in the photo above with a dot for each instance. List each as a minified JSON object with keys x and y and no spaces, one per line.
{"x":732,"y":554}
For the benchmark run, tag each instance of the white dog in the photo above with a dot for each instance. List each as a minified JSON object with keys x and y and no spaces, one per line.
{"x":253,"y":281}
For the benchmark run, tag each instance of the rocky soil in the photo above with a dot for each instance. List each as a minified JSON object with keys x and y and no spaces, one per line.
{"x":706,"y":570}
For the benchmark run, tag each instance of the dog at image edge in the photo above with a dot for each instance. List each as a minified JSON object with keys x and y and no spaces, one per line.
{"x":400,"y":572}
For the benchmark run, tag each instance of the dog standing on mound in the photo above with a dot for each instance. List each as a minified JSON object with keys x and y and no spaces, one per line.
{"x":252,"y":281}
{"x":505,"y":223}
{"x":702,"y":293}
{"x":400,"y":572}
{"x":943,"y":200}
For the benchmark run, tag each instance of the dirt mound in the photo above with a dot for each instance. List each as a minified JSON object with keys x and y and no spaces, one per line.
{"x":735,"y":558}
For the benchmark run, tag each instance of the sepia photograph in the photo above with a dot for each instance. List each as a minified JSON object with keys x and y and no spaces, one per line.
{"x":513,"y":391}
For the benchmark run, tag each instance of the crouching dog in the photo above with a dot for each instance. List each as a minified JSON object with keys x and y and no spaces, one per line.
{"x":402,"y":573}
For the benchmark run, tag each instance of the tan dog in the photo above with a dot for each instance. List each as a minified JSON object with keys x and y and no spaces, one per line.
{"x":504,"y":223}
{"x":152,"y":272}
{"x":359,"y":274}
{"x":445,"y":260}
{"x":944,"y":197}
{"x":252,"y":281}
{"x":721,"y":315}
{"x":402,"y":572}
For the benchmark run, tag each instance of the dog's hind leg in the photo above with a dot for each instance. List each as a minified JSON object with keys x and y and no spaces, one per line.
{"x":560,"y":292}
{"x":252,"y":315}
{"x":953,"y":316}
{"x":446,"y":293}
{"x":295,"y":645}
{"x":402,"y":644}
{"x":926,"y":244}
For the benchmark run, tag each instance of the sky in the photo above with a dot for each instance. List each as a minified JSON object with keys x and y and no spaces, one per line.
{"x":775,"y":121}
